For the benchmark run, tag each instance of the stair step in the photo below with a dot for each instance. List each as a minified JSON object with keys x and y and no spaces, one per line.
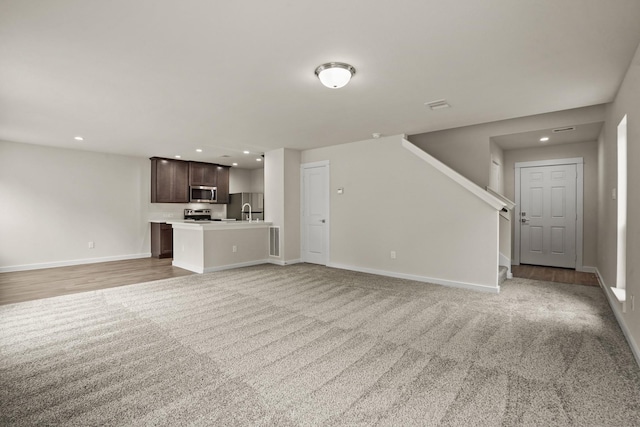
{"x":502,"y":274}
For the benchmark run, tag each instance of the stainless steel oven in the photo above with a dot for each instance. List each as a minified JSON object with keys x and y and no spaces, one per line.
{"x":202,"y":194}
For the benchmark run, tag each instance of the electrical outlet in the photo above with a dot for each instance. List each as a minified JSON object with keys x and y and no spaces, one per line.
{"x":92,"y":245}
{"x":234,"y":248}
{"x":393,"y":254}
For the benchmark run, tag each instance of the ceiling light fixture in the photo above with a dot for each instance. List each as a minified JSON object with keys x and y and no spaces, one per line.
{"x":199,"y":150}
{"x":258,"y":159}
{"x":544,"y":139}
{"x":335,"y":75}
{"x":78,"y":138}
{"x":234,"y":164}
{"x":246,"y":152}
{"x":177,"y":156}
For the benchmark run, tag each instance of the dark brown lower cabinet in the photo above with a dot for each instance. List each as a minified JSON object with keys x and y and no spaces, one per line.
{"x":161,"y":240}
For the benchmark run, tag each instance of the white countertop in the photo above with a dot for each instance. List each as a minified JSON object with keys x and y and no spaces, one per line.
{"x":215,"y":225}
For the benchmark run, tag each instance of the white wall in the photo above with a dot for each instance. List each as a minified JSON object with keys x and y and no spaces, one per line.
{"x":497,"y":156}
{"x":54,"y":201}
{"x":505,"y":238}
{"x":252,"y":246}
{"x":257,"y":181}
{"x":246,"y":180}
{"x":589,"y":152}
{"x":626,"y":102}
{"x":239,"y":180}
{"x":282,"y":200}
{"x":467,"y":149}
{"x":394,"y":201}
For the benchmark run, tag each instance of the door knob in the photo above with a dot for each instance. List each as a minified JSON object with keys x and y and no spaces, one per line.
{"x":323,"y":221}
{"x":524,"y":220}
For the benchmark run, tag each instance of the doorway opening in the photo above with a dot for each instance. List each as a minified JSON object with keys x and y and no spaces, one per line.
{"x":314,"y":216}
{"x":549,"y":213}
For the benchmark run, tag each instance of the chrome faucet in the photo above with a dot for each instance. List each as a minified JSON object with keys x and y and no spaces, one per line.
{"x":247,"y":204}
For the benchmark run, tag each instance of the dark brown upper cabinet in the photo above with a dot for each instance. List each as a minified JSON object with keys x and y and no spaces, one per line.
{"x":169,"y":181}
{"x":222,"y":182}
{"x":203,"y":174}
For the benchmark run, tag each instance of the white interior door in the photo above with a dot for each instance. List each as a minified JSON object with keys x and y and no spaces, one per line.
{"x":548,"y":215}
{"x":315,"y":213}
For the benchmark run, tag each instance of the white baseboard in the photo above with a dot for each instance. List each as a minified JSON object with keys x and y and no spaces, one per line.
{"x":282,"y":262}
{"x":68,"y":263}
{"x":615,"y":306}
{"x":186,"y":266}
{"x":443,"y":282}
{"x":238,"y":265}
{"x":200,"y":270}
{"x":587,"y":269}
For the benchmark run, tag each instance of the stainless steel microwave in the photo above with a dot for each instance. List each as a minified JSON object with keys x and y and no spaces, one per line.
{"x":202,"y":194}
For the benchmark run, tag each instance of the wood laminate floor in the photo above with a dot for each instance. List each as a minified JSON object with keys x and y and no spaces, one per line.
{"x":552,"y":274}
{"x":50,"y":282}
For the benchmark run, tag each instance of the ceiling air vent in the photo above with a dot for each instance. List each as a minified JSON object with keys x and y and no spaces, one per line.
{"x":225,"y":155}
{"x":437,"y":105}
{"x":567,"y":129}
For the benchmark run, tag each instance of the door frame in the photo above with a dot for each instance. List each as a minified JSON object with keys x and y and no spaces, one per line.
{"x":579,"y":162}
{"x":327,"y":224}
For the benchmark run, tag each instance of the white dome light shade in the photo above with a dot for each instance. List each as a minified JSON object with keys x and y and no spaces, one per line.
{"x":335,"y":75}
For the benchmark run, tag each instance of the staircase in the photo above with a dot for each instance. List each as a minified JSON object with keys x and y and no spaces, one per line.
{"x":502,"y":274}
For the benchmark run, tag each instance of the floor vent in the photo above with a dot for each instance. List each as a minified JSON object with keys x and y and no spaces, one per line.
{"x":274,"y":241}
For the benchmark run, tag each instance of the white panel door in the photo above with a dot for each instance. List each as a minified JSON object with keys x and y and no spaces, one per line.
{"x":315,"y":214}
{"x":548,"y":215}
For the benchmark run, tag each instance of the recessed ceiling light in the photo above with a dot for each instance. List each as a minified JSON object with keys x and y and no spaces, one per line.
{"x":178,"y":156}
{"x":246,"y":151}
{"x":78,"y":138}
{"x":258,"y":159}
{"x":544,"y":139}
{"x":376,"y":135}
{"x":199,"y":150}
{"x":234,"y":164}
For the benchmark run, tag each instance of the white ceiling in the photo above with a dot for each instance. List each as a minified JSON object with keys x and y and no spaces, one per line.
{"x":164,"y":77}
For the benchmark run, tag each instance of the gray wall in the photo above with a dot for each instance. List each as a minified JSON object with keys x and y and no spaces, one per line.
{"x":626,"y":102}
{"x":467,"y":150}
{"x":54,"y":201}
{"x":395,"y":201}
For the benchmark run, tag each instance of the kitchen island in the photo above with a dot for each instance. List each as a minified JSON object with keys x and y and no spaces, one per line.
{"x":203,"y":247}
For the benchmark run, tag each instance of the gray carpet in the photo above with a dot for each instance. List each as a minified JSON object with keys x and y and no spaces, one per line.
{"x":308,"y":345}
